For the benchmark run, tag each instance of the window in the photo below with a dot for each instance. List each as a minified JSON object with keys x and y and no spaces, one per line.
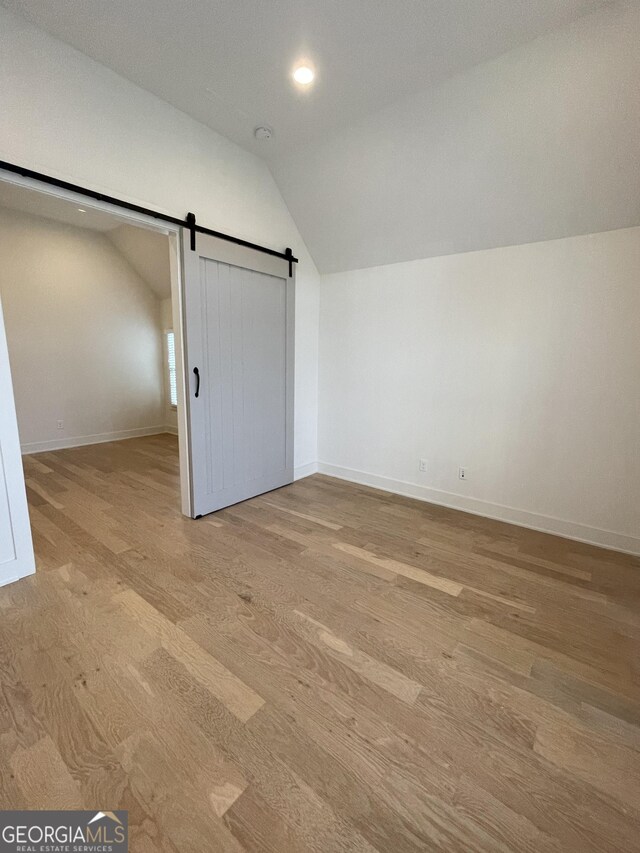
{"x":171,"y":369}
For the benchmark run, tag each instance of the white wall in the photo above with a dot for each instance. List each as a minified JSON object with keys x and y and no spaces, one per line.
{"x":84,"y":336}
{"x":65,"y":115}
{"x":148,"y":253}
{"x":537,"y":144}
{"x":521,"y":364}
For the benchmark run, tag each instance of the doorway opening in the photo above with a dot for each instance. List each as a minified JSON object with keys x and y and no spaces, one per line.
{"x":92,"y":315}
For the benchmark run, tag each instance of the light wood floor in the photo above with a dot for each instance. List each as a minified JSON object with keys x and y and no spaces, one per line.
{"x":326,"y":668}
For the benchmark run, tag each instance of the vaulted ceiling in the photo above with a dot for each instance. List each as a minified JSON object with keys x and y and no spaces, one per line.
{"x":538,"y":144}
{"x":227,"y":63}
{"x":434,"y":126}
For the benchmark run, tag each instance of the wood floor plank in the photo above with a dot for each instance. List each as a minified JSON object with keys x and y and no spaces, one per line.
{"x":407,"y":571}
{"x":240,"y":699}
{"x":44,"y":779}
{"x":381,"y":674}
{"x":514,"y":831}
{"x":324,"y":668}
{"x":579,"y":751}
{"x":310,"y":816}
{"x":313,"y":518}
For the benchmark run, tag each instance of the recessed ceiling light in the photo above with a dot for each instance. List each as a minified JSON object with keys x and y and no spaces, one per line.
{"x":263,"y":133}
{"x":304,"y":75}
{"x":81,"y":210}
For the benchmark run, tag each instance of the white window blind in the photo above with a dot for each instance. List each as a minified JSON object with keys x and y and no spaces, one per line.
{"x":171,"y":368}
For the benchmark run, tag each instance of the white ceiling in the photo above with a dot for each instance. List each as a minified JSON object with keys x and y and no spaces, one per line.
{"x":15,"y":197}
{"x":227,"y":62}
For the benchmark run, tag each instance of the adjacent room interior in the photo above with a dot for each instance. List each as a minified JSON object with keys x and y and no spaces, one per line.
{"x":88,"y":318}
{"x":87,"y":304}
{"x":320,"y":424}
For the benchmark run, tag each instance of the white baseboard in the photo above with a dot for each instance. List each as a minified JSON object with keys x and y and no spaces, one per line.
{"x":305,"y":470}
{"x":172,"y":430}
{"x":534,"y":521}
{"x":81,"y":440}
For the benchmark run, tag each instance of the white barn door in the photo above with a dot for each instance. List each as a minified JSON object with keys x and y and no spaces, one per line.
{"x":239,"y":340}
{"x":16,"y":547}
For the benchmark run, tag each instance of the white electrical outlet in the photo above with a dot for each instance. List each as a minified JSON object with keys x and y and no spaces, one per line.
{"x":422,"y":465}
{"x":462,"y":473}
{"x":60,"y":424}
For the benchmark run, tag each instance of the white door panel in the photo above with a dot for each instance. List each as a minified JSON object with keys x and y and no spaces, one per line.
{"x":16,"y":548}
{"x":239,"y":328}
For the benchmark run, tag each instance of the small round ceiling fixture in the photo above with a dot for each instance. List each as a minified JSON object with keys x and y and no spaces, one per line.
{"x":304,"y":75}
{"x":263,"y":133}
